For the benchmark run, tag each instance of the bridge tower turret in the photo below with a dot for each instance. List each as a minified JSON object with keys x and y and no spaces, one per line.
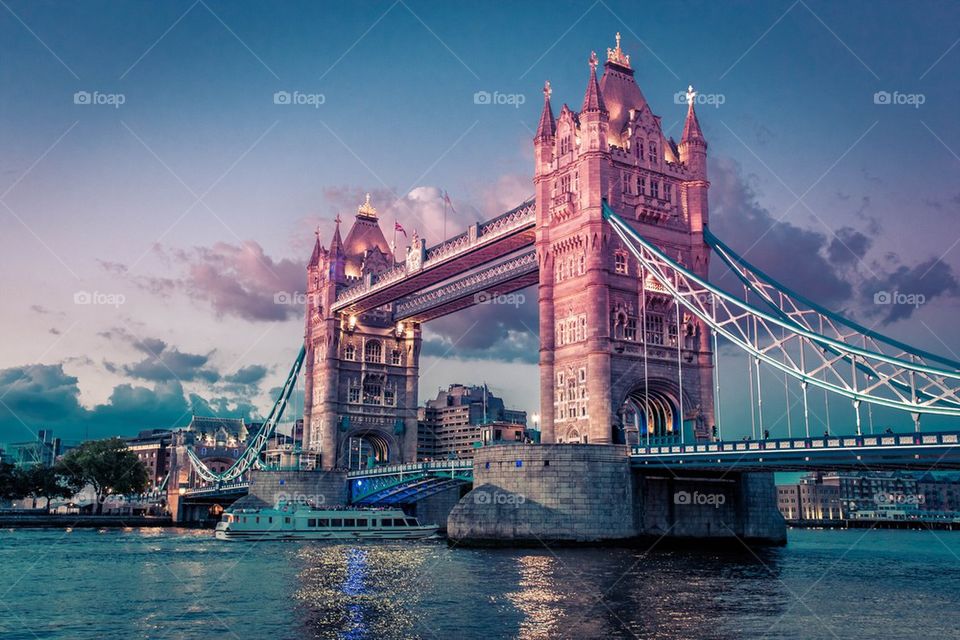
{"x":610,"y":366}
{"x":360,"y":371}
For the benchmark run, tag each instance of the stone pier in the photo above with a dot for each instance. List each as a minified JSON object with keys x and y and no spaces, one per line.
{"x":574,"y":493}
{"x":320,"y":488}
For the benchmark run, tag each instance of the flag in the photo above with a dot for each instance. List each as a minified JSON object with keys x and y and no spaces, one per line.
{"x":446,"y":200}
{"x":398,"y":227}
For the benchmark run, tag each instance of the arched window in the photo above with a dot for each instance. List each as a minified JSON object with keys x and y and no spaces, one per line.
{"x":373,"y":352}
{"x":620,"y":262}
{"x":653,"y":151}
{"x":350,"y":352}
{"x":395,"y":357}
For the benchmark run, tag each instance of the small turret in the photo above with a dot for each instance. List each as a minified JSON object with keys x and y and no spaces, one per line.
{"x":336,"y":258}
{"x":548,"y":126}
{"x":593,"y":99}
{"x":693,"y":146}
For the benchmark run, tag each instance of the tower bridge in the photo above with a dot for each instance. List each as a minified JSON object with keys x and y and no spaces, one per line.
{"x":617,"y":241}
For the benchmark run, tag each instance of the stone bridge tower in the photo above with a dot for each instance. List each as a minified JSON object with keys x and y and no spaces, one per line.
{"x":360,"y":371}
{"x":610,"y":367}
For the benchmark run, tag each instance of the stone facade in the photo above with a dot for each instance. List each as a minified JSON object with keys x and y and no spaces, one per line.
{"x":360,"y":371}
{"x":605,"y":329}
{"x":534,"y":494}
{"x":309,"y":487}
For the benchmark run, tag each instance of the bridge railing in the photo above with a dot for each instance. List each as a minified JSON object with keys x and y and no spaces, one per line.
{"x":886,"y":440}
{"x":221,"y":488}
{"x":413,"y":467}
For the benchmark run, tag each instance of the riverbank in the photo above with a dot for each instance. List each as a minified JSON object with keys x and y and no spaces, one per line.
{"x":52,"y":521}
{"x":917,"y":525}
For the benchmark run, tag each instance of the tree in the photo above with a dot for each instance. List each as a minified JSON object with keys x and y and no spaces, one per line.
{"x":41,"y":481}
{"x":108,"y":466}
{"x":11,"y":482}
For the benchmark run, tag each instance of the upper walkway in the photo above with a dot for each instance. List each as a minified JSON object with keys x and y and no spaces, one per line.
{"x":910,"y":451}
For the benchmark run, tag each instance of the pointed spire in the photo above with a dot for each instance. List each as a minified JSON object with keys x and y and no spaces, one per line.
{"x":593,"y":100}
{"x":547,"y":126}
{"x":691,"y":130}
{"x":317,"y":249}
{"x":336,"y":244}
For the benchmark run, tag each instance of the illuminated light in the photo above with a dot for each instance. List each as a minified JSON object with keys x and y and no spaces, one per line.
{"x":400,"y":329}
{"x":352,"y":322}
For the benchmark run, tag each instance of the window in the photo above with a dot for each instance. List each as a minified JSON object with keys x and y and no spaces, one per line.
{"x":336,"y":522}
{"x":373,"y":389}
{"x":582,"y":266}
{"x":667,"y":191}
{"x":373,"y":352}
{"x":395,"y":357}
{"x":349,"y":522}
{"x":565,"y":184}
{"x":654,"y":329}
{"x":353,"y":393}
{"x":286,"y":520}
{"x":323,"y":522}
{"x":350,"y":352}
{"x":625,"y":181}
{"x":411,"y":522}
{"x":361,"y":522}
{"x":312,"y":522}
{"x":389,"y":397}
{"x":652,"y":148}
{"x":398,"y":522}
{"x":641,"y":186}
{"x":654,"y":188}
{"x":630,"y":332}
{"x":386,"y":522}
{"x":620,"y":262}
{"x":640,"y":149}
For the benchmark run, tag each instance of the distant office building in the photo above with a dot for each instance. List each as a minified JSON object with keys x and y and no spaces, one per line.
{"x":152,"y":447}
{"x":875,"y":495}
{"x":463,"y":418}
{"x":43,"y":450}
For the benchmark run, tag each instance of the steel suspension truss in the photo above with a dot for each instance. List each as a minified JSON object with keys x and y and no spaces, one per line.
{"x":801,"y":339}
{"x":251,"y":455}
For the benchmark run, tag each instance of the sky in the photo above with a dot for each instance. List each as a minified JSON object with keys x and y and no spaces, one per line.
{"x":158,"y":190}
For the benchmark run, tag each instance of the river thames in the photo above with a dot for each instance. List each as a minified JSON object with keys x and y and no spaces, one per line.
{"x":175,"y":583}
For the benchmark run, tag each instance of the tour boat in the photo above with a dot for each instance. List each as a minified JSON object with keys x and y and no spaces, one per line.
{"x":304,"y":522}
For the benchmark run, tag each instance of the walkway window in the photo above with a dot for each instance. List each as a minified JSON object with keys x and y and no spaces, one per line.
{"x":630,"y":333}
{"x":373,"y":389}
{"x":373,"y":352}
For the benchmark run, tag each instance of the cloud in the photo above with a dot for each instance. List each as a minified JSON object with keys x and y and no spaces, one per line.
{"x":905,"y":289}
{"x":848,"y":246}
{"x":503,"y":332}
{"x":42,"y":396}
{"x":251,"y":374}
{"x":795,"y":256}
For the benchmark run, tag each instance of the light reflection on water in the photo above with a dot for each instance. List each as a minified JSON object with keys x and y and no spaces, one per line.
{"x":183,"y":584}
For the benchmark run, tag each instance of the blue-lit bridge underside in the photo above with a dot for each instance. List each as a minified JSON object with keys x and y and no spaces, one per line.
{"x":914,"y":451}
{"x":407,"y":483}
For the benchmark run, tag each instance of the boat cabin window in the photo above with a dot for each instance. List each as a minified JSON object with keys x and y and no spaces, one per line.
{"x":361,"y":522}
{"x":323,"y":522}
{"x":412,"y":522}
{"x":270,"y":520}
{"x":312,"y":522}
{"x":336,"y":522}
{"x":386,"y":522}
{"x":349,"y":522}
{"x":258,"y":519}
{"x":398,"y":522}
{"x":286,"y":520}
